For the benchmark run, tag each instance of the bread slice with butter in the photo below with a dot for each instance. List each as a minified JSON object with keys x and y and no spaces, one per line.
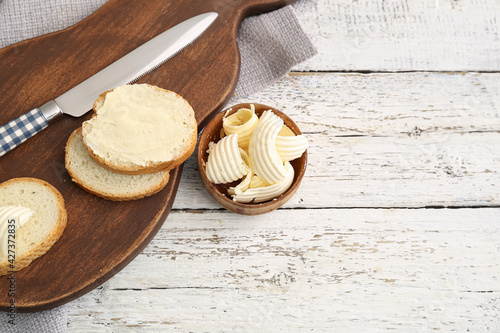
{"x":139,"y":129}
{"x":40,"y":231}
{"x":97,"y":180}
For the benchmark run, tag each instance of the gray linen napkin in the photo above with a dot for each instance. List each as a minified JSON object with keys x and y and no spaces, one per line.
{"x":270,"y":45}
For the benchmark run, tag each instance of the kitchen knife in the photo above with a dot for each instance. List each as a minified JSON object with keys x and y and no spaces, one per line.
{"x":78,"y":100}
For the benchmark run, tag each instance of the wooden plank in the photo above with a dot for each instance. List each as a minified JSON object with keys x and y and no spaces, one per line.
{"x":386,"y":140}
{"x":394,"y":35}
{"x":408,"y":270}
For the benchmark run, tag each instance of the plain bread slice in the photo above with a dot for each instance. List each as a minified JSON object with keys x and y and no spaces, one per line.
{"x":95,"y":179}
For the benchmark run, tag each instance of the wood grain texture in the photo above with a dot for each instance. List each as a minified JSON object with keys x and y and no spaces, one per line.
{"x":41,"y":69}
{"x":383,"y":140}
{"x":310,"y":267}
{"x":342,"y":270}
{"x":394,"y":35}
{"x":380,"y":140}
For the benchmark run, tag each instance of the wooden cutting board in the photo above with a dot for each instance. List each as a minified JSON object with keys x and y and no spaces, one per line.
{"x":101,"y":236}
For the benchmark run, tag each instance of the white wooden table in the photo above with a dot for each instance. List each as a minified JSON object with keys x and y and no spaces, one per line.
{"x":397,"y":223}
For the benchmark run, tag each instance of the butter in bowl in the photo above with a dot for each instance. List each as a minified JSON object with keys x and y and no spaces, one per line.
{"x":252,"y":158}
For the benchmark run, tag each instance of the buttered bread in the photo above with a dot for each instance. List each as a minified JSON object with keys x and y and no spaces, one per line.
{"x":41,"y":217}
{"x":140,"y":129}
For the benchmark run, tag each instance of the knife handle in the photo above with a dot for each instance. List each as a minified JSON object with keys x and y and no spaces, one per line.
{"x":24,"y":127}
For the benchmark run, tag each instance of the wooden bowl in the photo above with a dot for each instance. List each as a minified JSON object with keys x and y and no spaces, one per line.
{"x":212,"y":132}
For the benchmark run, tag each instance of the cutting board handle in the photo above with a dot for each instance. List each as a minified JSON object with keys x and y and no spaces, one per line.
{"x":245,"y":8}
{"x":264,"y":6}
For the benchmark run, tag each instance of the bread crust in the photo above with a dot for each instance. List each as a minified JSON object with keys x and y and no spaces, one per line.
{"x":135,"y":169}
{"x":106,"y":195}
{"x":24,"y":260}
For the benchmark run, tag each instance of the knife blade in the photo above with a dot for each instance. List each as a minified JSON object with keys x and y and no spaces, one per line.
{"x":78,"y":100}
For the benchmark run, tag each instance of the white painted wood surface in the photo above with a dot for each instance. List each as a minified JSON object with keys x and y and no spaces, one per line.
{"x":382,"y":140}
{"x":365,"y":245}
{"x":348,"y":270}
{"x":404,"y":35}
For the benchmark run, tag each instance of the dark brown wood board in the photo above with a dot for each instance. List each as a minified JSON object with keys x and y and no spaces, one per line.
{"x":101,"y":236}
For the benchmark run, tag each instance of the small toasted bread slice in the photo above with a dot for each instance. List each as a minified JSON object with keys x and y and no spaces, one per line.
{"x":95,"y":179}
{"x":42,"y":229}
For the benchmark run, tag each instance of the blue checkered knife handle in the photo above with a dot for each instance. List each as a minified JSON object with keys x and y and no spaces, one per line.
{"x":21,"y":129}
